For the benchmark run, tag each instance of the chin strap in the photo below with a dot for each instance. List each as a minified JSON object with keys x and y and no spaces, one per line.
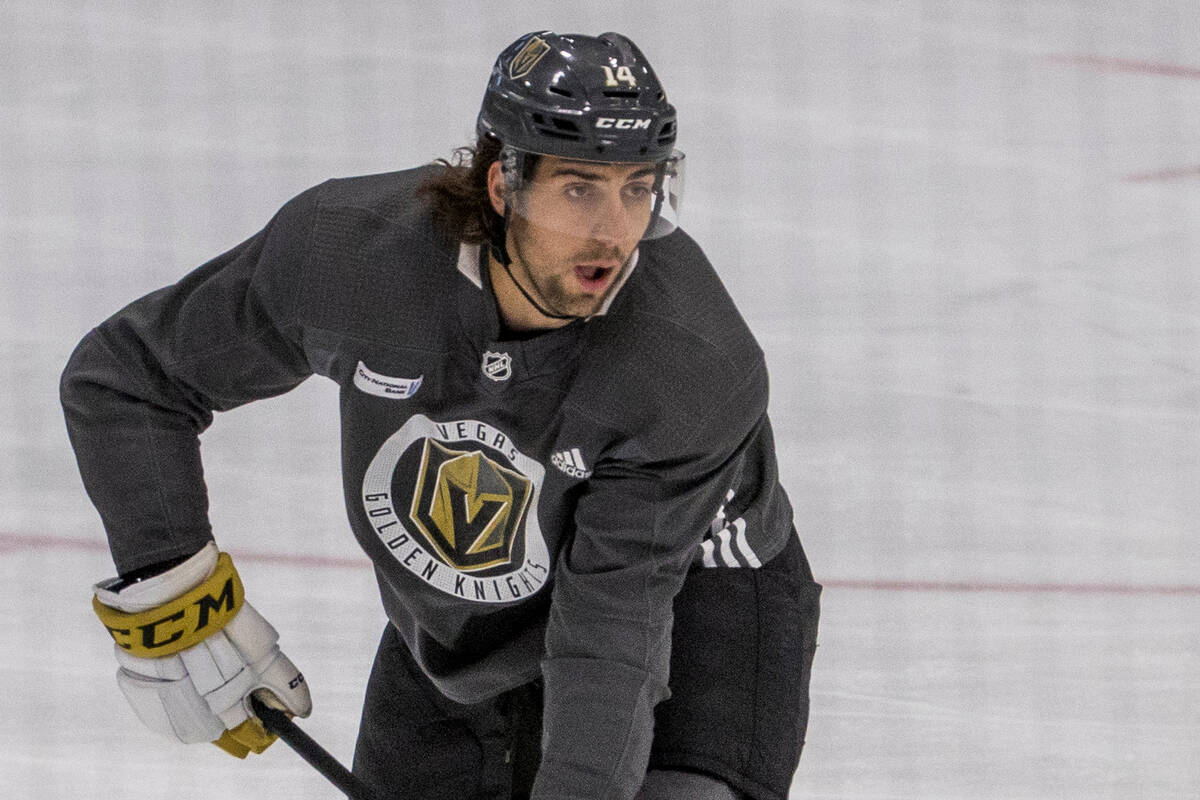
{"x":541,"y":310}
{"x":500,"y":252}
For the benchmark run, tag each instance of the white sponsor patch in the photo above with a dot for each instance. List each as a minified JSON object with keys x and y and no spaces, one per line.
{"x":384,"y":385}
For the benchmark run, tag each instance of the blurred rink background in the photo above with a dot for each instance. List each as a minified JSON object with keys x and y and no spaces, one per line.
{"x":966,"y":233}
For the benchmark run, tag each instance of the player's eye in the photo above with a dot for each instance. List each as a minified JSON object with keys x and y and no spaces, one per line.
{"x":579,"y":191}
{"x":638,"y":191}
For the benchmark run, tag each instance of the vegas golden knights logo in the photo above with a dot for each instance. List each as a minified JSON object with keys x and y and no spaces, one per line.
{"x":455,"y":503}
{"x":469,"y":507}
{"x":528,"y":57}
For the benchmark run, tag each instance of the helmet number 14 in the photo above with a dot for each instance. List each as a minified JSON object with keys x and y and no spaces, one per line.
{"x":622,"y":74}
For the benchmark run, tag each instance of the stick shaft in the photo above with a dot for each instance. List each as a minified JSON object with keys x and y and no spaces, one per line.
{"x":318,"y":757}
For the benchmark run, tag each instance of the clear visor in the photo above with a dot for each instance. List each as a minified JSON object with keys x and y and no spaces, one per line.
{"x":611,"y":205}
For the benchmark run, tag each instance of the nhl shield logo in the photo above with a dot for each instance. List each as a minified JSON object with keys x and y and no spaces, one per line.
{"x":497,"y":366}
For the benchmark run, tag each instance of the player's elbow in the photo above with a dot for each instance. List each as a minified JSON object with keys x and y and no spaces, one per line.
{"x":73,"y":375}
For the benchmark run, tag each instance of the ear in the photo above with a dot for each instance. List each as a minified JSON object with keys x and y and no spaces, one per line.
{"x":495,"y":185}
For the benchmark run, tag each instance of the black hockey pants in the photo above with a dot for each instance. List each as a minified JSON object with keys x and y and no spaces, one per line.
{"x":742,"y":651}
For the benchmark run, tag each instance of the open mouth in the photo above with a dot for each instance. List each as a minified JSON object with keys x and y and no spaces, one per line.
{"x":593,"y":276}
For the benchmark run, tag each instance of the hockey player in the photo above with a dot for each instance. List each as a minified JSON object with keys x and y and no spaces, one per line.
{"x":555,"y":451}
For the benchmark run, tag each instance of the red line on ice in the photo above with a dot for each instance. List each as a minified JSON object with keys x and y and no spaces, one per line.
{"x":1013,"y":587}
{"x":1169,"y":174}
{"x":1109,"y":64}
{"x":13,"y":542}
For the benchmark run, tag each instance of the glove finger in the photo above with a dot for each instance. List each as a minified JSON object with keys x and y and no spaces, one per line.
{"x":168,"y":668}
{"x":252,"y":635}
{"x":172,"y":708}
{"x":204,"y":664}
{"x":225,"y":655}
{"x":285,"y":685}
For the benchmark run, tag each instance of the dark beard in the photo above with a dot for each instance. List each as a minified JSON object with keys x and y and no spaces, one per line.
{"x":551,"y":295}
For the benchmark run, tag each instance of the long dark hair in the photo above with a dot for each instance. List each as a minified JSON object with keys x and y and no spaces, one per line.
{"x":458,"y":194}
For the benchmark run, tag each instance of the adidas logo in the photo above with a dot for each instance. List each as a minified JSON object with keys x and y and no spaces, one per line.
{"x":571,"y":462}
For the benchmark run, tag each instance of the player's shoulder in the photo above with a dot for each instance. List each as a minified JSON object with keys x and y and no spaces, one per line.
{"x":677,"y":299}
{"x":377,"y":190}
{"x":389,"y":196}
{"x":674,"y":346}
{"x":373,"y":220}
{"x":373,"y":264}
{"x":357,"y":206}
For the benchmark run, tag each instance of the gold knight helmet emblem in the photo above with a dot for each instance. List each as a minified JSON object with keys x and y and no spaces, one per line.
{"x":528,"y":57}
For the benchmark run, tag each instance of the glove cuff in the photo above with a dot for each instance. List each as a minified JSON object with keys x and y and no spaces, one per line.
{"x":180,"y":622}
{"x":158,"y":589}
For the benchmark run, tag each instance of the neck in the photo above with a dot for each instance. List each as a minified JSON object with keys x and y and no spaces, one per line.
{"x":517,"y":311}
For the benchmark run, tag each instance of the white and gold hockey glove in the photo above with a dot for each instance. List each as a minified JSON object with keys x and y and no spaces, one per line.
{"x":191,"y":651}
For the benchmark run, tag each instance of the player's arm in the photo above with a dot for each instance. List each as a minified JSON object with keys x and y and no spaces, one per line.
{"x":608,"y":643}
{"x":141,"y":387}
{"x":137,"y":392}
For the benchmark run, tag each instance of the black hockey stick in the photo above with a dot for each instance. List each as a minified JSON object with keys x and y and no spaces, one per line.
{"x":280,"y":724}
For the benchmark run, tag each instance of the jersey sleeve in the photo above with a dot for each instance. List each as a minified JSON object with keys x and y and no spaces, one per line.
{"x":608,"y":641}
{"x":141,"y":387}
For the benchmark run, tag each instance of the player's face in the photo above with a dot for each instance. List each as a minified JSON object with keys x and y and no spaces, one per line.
{"x":574,"y":227}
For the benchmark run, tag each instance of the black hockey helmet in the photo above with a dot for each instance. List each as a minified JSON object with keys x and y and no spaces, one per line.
{"x":583,"y":98}
{"x":593,"y":98}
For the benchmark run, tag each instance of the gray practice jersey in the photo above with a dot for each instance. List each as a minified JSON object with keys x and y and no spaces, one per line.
{"x":531,"y":505}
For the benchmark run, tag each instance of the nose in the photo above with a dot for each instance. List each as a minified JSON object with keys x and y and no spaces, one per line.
{"x":612,"y":223}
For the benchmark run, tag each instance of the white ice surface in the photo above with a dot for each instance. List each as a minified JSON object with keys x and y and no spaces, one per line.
{"x":966,"y":233}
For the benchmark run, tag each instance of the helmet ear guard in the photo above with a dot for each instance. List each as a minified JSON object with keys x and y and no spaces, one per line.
{"x":517,"y":167}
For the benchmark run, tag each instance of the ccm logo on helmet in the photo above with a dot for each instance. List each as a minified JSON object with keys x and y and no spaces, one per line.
{"x":622,"y":124}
